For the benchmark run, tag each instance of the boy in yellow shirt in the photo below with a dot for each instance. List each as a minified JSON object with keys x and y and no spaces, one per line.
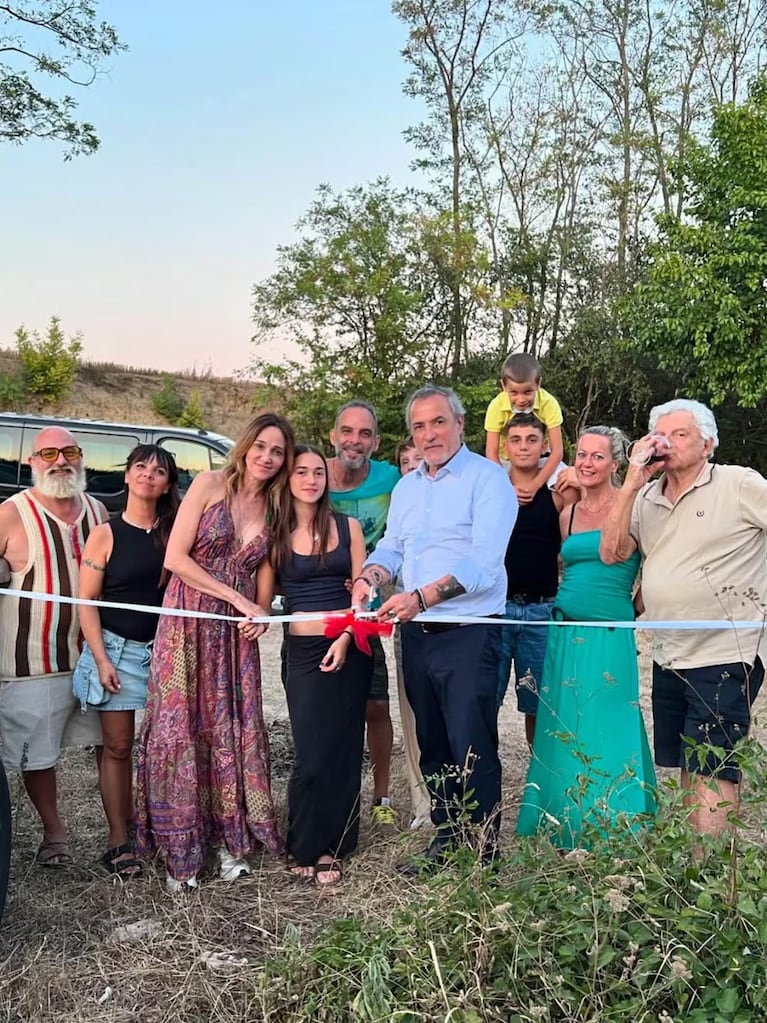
{"x":522,"y":392}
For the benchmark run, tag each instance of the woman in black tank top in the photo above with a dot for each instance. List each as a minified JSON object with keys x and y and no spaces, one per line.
{"x":122,"y":562}
{"x":327,"y":682}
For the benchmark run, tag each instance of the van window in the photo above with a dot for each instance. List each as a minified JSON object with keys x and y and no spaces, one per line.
{"x":10,"y":447}
{"x":191,"y":458}
{"x":105,"y":455}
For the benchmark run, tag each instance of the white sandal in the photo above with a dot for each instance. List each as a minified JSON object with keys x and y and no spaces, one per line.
{"x":229,"y":867}
{"x":175,"y":886}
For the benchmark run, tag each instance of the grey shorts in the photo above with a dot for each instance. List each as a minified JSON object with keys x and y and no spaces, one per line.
{"x":38,"y":716}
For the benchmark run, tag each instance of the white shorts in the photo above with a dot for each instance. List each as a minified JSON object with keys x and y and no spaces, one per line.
{"x":38,"y":716}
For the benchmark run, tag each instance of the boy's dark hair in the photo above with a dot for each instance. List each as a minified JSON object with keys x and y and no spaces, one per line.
{"x":524,"y":419}
{"x":520,"y":368}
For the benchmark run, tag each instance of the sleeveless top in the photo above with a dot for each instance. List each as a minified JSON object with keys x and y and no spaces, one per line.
{"x":40,"y":637}
{"x":310,"y":586}
{"x":531,"y":557}
{"x":132,"y":577}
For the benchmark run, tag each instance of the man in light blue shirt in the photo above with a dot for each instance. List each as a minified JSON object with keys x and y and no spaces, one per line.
{"x":448,"y":527}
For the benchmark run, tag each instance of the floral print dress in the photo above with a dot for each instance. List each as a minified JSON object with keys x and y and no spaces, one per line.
{"x":203,"y":758}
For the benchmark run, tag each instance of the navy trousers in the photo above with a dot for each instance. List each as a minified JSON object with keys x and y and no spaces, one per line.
{"x":451,"y":682}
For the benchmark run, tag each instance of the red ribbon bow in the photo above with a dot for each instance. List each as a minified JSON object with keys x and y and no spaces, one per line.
{"x":362,"y":629}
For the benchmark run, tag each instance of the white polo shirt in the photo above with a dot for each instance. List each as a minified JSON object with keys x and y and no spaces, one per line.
{"x":705,"y":558}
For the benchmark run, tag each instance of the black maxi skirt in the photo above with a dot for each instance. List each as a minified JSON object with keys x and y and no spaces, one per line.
{"x":327,"y":717}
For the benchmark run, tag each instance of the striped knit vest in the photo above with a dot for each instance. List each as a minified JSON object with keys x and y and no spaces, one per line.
{"x":40,"y":637}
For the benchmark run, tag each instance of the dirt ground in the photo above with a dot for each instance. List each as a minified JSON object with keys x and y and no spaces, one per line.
{"x":78,"y":946}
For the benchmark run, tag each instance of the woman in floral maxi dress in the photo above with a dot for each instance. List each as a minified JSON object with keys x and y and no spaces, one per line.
{"x":203,"y":766}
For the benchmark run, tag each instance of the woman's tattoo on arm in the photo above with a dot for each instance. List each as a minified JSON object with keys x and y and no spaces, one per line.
{"x":92,"y":564}
{"x":448,"y":587}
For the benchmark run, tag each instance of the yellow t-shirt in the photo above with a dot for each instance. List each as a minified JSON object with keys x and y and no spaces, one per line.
{"x":545,"y":406}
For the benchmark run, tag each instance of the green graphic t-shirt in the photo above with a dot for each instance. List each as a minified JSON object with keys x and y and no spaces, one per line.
{"x":369,"y":502}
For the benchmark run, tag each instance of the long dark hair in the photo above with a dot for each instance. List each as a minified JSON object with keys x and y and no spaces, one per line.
{"x":321,"y":524}
{"x":167,"y":505}
{"x":276,"y":490}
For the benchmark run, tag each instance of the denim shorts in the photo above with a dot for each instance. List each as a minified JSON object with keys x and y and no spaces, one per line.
{"x":525,"y":648}
{"x":130,"y":658}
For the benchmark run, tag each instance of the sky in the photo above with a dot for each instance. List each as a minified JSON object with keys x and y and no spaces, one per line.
{"x":216,"y":128}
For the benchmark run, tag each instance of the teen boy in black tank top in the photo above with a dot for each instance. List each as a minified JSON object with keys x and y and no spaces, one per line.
{"x":532,"y":568}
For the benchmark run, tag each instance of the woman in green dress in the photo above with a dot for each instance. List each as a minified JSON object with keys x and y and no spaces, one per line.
{"x":591,"y":760}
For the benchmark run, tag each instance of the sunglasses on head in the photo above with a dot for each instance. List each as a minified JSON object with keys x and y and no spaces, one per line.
{"x":71,"y":452}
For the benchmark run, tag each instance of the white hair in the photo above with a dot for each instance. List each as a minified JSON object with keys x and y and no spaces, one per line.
{"x":60,"y":485}
{"x":701,"y":414}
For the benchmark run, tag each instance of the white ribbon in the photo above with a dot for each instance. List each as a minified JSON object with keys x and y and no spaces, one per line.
{"x":702,"y":625}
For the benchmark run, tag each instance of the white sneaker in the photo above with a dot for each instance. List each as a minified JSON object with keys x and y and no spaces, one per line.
{"x":175,"y":886}
{"x":419,"y":822}
{"x":229,"y":867}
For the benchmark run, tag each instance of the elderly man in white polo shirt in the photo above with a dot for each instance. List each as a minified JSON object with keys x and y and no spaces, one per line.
{"x":700,"y":529}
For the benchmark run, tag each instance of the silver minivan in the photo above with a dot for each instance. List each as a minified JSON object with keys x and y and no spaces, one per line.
{"x":105,"y":450}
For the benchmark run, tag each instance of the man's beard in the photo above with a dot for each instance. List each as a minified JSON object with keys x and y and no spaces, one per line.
{"x":58,"y":485}
{"x":351,"y":460}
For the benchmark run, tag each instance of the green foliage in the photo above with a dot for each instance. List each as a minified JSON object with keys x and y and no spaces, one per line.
{"x":168,"y":402}
{"x":700,"y":308}
{"x":11,"y":391}
{"x":635,"y":928}
{"x":48,"y":362}
{"x":62,"y":43}
{"x":192,"y":414}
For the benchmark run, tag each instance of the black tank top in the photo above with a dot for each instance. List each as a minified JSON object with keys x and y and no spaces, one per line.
{"x":309,"y":586}
{"x":531,"y":557}
{"x":132,"y":577}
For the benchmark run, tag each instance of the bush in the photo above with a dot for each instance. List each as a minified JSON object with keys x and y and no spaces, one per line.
{"x":168,"y":401}
{"x":48,"y":363}
{"x":12,"y":391}
{"x":192,"y":414}
{"x":636,"y":928}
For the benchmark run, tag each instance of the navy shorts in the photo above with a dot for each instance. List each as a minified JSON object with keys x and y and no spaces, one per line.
{"x":695,"y":708}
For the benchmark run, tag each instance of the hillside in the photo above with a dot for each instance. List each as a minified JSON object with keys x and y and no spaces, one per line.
{"x":123,"y":394}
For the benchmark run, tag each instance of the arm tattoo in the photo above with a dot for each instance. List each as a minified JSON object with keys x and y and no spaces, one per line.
{"x":448,"y":587}
{"x":375,"y":575}
{"x":92,"y":564}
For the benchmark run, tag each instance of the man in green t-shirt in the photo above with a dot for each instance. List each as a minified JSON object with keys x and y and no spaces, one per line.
{"x":361,"y":488}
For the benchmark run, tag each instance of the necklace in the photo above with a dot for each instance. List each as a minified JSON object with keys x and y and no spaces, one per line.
{"x":137,"y":526}
{"x":600,"y":507}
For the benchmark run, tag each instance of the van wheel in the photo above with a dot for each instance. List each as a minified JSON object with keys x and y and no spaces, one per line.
{"x":6,"y":825}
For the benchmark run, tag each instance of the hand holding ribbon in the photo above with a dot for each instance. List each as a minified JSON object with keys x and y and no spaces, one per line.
{"x":361,"y":628}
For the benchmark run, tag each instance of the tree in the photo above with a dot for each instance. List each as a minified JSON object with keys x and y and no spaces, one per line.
{"x":48,"y":362}
{"x":59,"y":41}
{"x":453,"y":47}
{"x":700,"y":307}
{"x":192,"y":414}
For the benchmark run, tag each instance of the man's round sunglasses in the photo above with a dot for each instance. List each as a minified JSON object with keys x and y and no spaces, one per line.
{"x":71,"y":452}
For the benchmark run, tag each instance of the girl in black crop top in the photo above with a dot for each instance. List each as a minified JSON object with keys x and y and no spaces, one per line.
{"x":327,"y":682}
{"x":122,"y":562}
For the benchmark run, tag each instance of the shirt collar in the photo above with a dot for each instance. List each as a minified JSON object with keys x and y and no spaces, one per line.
{"x":455,"y":466}
{"x":654,"y":491}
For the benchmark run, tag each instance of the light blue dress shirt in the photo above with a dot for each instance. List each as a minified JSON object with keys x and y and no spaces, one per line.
{"x":458,"y":523}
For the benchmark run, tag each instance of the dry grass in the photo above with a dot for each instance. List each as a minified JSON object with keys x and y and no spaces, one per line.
{"x":122,"y":394}
{"x":60,"y":944}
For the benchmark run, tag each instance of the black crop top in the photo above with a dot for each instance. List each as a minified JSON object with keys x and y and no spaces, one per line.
{"x":132,"y":577}
{"x":309,"y":586}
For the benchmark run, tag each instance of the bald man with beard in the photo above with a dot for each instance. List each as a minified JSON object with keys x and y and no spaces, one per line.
{"x":42,"y":533}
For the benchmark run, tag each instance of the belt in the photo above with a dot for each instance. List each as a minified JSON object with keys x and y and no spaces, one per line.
{"x":527,"y":598}
{"x":431,"y":628}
